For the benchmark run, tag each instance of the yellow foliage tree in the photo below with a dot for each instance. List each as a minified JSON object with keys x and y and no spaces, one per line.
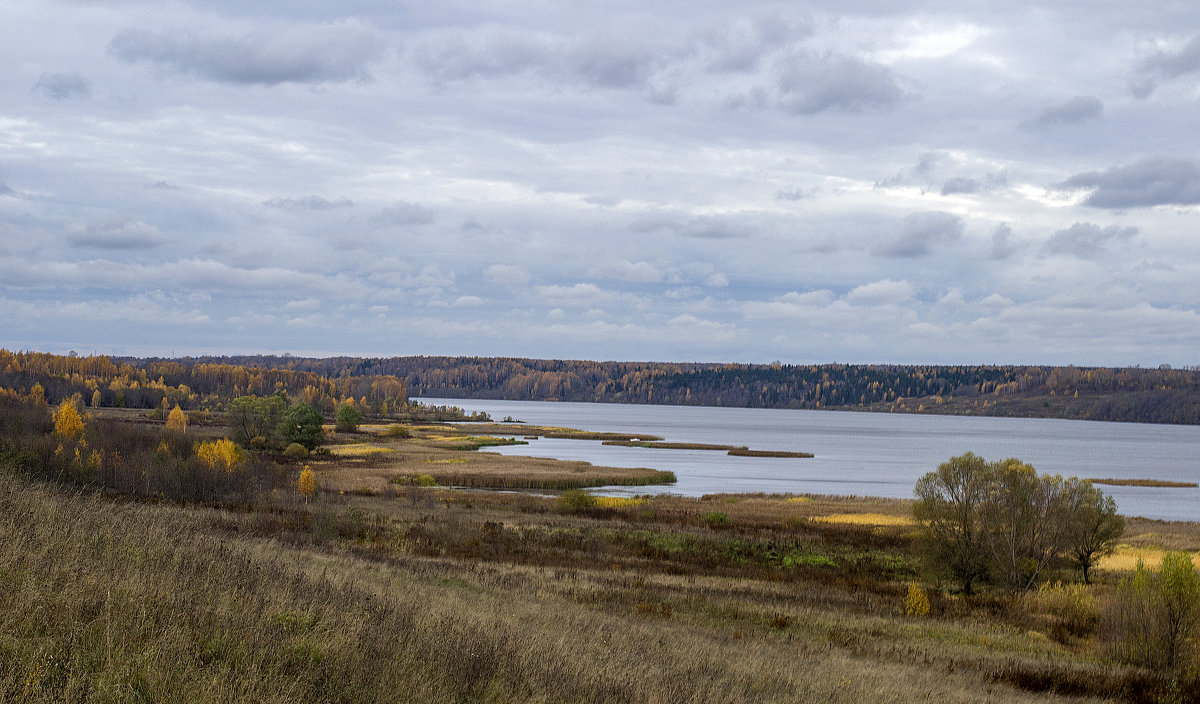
{"x":916,"y":602}
{"x":177,"y":420}
{"x":96,"y":398}
{"x":307,"y":484}
{"x":222,"y":454}
{"x":67,"y":421}
{"x":37,"y":394}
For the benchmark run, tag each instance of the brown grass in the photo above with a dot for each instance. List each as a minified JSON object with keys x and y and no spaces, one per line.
{"x":1146,"y":482}
{"x":744,"y":452}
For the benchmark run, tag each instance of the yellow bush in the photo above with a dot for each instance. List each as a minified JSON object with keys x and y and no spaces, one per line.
{"x":67,"y":421}
{"x":1072,"y":606}
{"x":916,"y":602}
{"x":221,"y":454}
{"x":307,"y":483}
{"x":177,"y":420}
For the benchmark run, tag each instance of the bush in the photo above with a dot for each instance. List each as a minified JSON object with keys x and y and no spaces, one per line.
{"x":1154,"y":618}
{"x":1071,"y":608}
{"x":916,"y":602}
{"x":295,"y":451}
{"x":576,"y":500}
{"x":396,"y":431}
{"x":713,"y":519}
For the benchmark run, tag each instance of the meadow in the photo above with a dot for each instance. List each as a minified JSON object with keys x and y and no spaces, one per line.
{"x":387,"y":585}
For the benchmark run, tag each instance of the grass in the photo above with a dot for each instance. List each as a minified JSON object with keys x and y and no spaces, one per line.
{"x":1146,"y":482}
{"x":744,"y":452}
{"x":386,"y":588}
{"x":668,"y":445}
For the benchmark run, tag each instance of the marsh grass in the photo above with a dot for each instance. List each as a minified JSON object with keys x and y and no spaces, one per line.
{"x":1146,"y":483}
{"x":745,"y":452}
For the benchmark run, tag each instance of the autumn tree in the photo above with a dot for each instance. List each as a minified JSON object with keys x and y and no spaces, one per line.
{"x":37,"y":394}
{"x":1155,"y":617}
{"x":67,"y":421}
{"x":96,"y":398}
{"x":1024,"y":522}
{"x":219,"y":454}
{"x":177,"y":420}
{"x":307,"y":483}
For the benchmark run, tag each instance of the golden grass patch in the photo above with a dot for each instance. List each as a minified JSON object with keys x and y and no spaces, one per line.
{"x":865,"y":519}
{"x":617,"y":502}
{"x":359,"y":449}
{"x":1126,"y":557}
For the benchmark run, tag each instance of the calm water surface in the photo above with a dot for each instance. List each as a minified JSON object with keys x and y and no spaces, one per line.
{"x":865,"y":454}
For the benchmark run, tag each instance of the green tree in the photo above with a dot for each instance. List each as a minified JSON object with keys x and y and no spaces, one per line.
{"x":302,"y":424}
{"x":254,"y":421}
{"x":1093,"y":524}
{"x":1025,"y":523}
{"x":348,"y":417}
{"x":948,"y":507}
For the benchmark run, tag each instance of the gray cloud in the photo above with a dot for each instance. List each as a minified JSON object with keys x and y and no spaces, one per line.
{"x":809,"y":84}
{"x":918,"y":234}
{"x":123,"y":234}
{"x":964,"y":185}
{"x":4,"y":188}
{"x":490,"y":52}
{"x":1167,"y":64}
{"x":333,"y":52}
{"x":1073,"y":111}
{"x":1085,"y":240}
{"x":63,"y":86}
{"x":1002,"y":244}
{"x":403,"y":213}
{"x":1161,"y":180}
{"x":308,"y":203}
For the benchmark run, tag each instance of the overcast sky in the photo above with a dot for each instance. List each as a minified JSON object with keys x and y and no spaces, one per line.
{"x":924,"y":182}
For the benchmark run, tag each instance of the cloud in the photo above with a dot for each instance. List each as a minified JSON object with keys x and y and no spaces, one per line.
{"x":1002,"y":244}
{"x":624,"y":270}
{"x":308,"y":203}
{"x":881,"y":293}
{"x":403,"y":213}
{"x":317,"y":53}
{"x":120,"y":234}
{"x":1085,"y":240}
{"x":1167,"y":64}
{"x":1160,"y":180}
{"x":807,"y":84}
{"x":4,"y":188}
{"x":507,"y":275}
{"x":964,"y":185}
{"x":1078,"y":109}
{"x":63,"y":86}
{"x":489,"y":52}
{"x":918,"y":234}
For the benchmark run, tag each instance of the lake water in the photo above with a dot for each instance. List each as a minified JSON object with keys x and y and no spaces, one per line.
{"x":864,"y":454}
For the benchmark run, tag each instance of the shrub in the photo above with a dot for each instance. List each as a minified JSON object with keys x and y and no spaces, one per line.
{"x":295,"y":451}
{"x":713,"y":519}
{"x":916,"y":602}
{"x":1154,"y":617}
{"x":67,"y":421}
{"x":424,"y":480}
{"x":1071,"y":606}
{"x":222,"y":454}
{"x":396,"y":431}
{"x":576,"y":500}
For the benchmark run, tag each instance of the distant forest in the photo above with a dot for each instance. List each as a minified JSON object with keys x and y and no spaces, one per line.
{"x":1157,"y":395}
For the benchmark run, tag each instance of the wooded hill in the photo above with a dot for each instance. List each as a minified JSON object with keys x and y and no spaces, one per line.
{"x":1160,"y":395}
{"x":192,"y":384}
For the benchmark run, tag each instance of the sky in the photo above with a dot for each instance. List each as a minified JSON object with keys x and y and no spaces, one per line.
{"x":870,"y":182}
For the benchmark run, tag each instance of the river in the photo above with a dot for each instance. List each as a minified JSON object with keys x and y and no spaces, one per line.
{"x":864,"y":454}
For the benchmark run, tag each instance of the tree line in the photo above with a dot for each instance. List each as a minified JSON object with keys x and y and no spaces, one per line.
{"x":1158,"y":395}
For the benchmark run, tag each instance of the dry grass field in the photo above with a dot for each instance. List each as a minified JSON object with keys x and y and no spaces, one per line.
{"x":390,"y":586}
